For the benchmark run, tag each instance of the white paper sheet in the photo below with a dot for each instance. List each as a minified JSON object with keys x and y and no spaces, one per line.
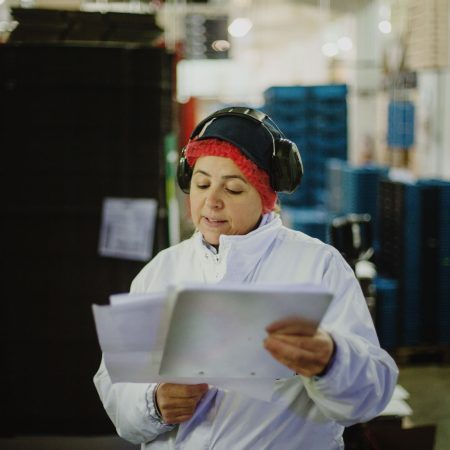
{"x":398,"y":405}
{"x":202,"y":333}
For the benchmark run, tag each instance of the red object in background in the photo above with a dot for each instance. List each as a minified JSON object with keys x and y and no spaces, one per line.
{"x":188,"y":120}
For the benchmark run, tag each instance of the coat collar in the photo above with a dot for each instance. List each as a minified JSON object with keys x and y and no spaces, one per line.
{"x":238,"y":255}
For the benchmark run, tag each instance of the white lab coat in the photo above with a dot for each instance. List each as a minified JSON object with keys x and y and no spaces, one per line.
{"x":311,"y":412}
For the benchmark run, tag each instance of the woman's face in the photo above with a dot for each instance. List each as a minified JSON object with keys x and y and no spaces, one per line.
{"x":222,"y":201}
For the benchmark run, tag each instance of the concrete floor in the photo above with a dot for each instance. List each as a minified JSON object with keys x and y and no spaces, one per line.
{"x":429,"y":388}
{"x":66,"y":443}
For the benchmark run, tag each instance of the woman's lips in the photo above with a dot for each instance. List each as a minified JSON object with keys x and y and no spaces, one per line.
{"x":214,"y":222}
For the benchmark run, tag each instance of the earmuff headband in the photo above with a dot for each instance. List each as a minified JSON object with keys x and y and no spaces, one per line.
{"x":282,"y":161}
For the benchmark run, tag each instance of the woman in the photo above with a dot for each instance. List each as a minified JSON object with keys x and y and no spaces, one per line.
{"x":232,"y":167}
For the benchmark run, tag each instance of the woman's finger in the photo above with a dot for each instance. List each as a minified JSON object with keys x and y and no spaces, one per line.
{"x":305,"y":355}
{"x":177,"y":402}
{"x":292,"y":325}
{"x":182,"y":390}
{"x":177,"y":415}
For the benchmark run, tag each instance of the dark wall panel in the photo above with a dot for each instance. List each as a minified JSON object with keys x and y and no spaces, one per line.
{"x":78,"y":124}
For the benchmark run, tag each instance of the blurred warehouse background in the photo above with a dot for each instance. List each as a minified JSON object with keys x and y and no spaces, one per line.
{"x":98,"y":97}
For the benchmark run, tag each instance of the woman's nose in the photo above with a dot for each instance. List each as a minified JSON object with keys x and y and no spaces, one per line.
{"x":214,"y":200}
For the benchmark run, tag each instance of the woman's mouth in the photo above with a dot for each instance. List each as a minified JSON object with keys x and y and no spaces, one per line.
{"x":213,"y":222}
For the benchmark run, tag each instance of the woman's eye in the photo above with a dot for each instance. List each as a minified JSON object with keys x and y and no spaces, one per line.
{"x":234,"y":191}
{"x":202,"y":186}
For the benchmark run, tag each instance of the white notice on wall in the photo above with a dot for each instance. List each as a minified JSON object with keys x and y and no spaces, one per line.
{"x":128,"y":228}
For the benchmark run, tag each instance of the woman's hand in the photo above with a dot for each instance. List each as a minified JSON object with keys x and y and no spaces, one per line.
{"x":177,"y":402}
{"x":296,"y":345}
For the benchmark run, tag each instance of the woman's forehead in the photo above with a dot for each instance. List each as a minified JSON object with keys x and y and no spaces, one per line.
{"x":217,"y":164}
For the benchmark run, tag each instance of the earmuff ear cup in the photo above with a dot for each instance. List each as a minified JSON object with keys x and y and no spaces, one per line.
{"x":287,"y":166}
{"x":184,"y":173}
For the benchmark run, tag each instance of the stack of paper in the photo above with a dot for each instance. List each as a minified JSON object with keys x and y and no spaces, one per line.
{"x":200,"y":333}
{"x":398,"y":406}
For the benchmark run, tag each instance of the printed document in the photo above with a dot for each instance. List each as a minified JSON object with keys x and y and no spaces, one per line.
{"x":203,"y":333}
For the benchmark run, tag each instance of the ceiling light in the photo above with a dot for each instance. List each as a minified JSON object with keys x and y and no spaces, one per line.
{"x":330,"y":49}
{"x":345,"y":43}
{"x":385,"y":26}
{"x":240,"y":27}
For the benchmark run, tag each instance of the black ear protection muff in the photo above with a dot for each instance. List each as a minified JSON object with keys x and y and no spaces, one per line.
{"x":184,"y":173}
{"x":286,"y":168}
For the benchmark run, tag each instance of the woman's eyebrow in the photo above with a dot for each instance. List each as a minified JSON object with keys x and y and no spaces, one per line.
{"x":226,"y":177}
{"x":202,"y":172}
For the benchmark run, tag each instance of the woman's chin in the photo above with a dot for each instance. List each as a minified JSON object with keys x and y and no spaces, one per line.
{"x":211,"y":238}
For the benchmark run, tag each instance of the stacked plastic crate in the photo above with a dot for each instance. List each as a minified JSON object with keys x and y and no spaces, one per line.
{"x":313,"y":221}
{"x":415,"y":250}
{"x":361,"y":189}
{"x":429,"y":248}
{"x":412,"y":267}
{"x":354,"y":189}
{"x":436,"y":257}
{"x":391,"y":212}
{"x":400,"y":124}
{"x":335,"y":169}
{"x":361,"y":193}
{"x":444,"y":265}
{"x":390,"y":256}
{"x":289,"y":107}
{"x":328,"y":125}
{"x":386,"y":311}
{"x":315,"y":118}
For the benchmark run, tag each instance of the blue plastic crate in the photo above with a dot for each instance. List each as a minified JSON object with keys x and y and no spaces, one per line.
{"x":340,"y":153}
{"x":286,"y":93}
{"x":293,"y":127}
{"x":386,"y":317}
{"x":334,"y":183}
{"x":361,"y":188}
{"x":315,"y":118}
{"x":288,"y":110}
{"x":329,"y":143}
{"x":412,"y":267}
{"x":331,"y":110}
{"x":320,"y":196}
{"x":301,"y":140}
{"x":330,"y":127}
{"x":301,"y":197}
{"x":329,"y":91}
{"x":400,"y":124}
{"x":312,"y":221}
{"x":444,"y":264}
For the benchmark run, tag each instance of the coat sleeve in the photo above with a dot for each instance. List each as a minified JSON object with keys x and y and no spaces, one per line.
{"x":362,"y":376}
{"x":130,"y":407}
